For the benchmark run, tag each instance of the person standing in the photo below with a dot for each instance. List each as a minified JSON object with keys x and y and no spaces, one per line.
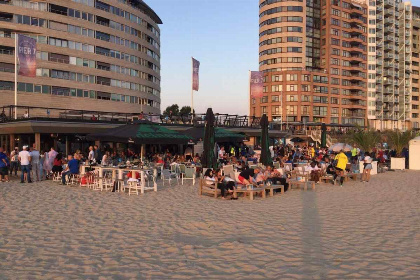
{"x":367,"y":167}
{"x":14,"y":161}
{"x":35,"y":163}
{"x":340,"y":167}
{"x":97,"y":154}
{"x":4,"y":165}
{"x":25,"y":161}
{"x":91,"y":156}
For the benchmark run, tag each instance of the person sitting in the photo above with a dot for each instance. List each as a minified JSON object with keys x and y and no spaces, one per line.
{"x":58,"y":164}
{"x":72,"y":168}
{"x":273,"y":176}
{"x":314,"y":172}
{"x":224,"y":183}
{"x":246,"y":177}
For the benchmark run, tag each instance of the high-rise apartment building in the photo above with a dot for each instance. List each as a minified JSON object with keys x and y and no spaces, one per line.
{"x":415,"y":69}
{"x":97,"y":55}
{"x":313,"y":55}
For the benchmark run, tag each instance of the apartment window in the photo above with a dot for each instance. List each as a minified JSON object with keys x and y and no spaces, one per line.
{"x":305,"y":88}
{"x":320,"y":111}
{"x":335,"y":71}
{"x":335,"y":81}
{"x":294,"y":39}
{"x":291,"y":109}
{"x":276,"y":88}
{"x":291,"y":88}
{"x":291,"y":77}
{"x":277,"y":78}
{"x":292,"y":98}
{"x":275,"y":110}
{"x":415,"y":107}
{"x":306,"y":98}
{"x":305,"y":110}
{"x":334,"y":100}
{"x":306,"y":78}
{"x":264,"y":109}
{"x":274,"y":98}
{"x":264,"y":99}
{"x":321,"y":99}
{"x":335,"y":21}
{"x":335,"y":61}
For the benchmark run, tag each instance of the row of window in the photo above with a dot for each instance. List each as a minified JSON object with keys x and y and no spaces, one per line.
{"x":281,"y":19}
{"x":313,"y":110}
{"x":64,"y":91}
{"x":281,"y":60}
{"x":129,"y":16}
{"x":269,"y":2}
{"x":289,"y":39}
{"x":281,"y":29}
{"x":282,"y":9}
{"x":311,"y":99}
{"x":281,"y":50}
{"x":93,"y":64}
{"x":54,"y":25}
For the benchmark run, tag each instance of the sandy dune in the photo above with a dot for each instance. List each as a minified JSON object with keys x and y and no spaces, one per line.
{"x":360,"y":231}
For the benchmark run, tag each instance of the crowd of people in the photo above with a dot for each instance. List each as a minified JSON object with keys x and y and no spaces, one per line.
{"x":37,"y":165}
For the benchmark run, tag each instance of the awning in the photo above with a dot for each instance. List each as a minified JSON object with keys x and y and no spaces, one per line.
{"x":143,"y":132}
{"x":221,"y":135}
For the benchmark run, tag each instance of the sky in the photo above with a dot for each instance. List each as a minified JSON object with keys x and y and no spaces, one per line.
{"x":223,"y":36}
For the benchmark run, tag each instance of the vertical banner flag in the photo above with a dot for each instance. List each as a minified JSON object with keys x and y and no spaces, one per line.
{"x":196,"y":69}
{"x":26,"y":48}
{"x":256,"y":84}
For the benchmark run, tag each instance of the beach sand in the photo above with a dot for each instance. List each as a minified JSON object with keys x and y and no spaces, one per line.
{"x":361,"y":231}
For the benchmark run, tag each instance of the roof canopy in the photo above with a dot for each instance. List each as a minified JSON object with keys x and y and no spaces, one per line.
{"x":221,"y":135}
{"x":141,"y":133}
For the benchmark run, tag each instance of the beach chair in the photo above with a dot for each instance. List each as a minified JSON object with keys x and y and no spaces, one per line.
{"x":206,"y":188}
{"x":168,"y":176}
{"x":133,"y":186}
{"x":227,"y":169}
{"x":181,"y":170}
{"x":189,"y":174}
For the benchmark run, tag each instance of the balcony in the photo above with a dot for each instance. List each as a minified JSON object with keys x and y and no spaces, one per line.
{"x":388,"y":3}
{"x":389,"y":29}
{"x":389,"y":21}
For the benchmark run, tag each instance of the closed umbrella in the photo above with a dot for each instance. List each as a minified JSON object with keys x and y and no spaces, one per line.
{"x":209,"y":157}
{"x":323,"y":135}
{"x":340,"y":146}
{"x":265,"y":142}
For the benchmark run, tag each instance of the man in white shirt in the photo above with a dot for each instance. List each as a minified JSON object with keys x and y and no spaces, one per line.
{"x":35,"y":155}
{"x":25,"y":160}
{"x":91,"y":156}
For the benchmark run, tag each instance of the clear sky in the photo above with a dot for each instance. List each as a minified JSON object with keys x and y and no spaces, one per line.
{"x":223,"y":36}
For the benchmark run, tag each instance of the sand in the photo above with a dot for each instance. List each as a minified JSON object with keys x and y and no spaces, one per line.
{"x":360,"y":231}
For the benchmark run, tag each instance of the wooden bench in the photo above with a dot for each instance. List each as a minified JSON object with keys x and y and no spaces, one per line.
{"x":206,"y":188}
{"x":295,"y":182}
{"x":249,"y":192}
{"x":274,"y":187}
{"x":352,"y":175}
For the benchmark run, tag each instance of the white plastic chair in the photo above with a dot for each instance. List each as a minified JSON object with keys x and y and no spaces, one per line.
{"x":189,"y":175}
{"x":167,"y":175}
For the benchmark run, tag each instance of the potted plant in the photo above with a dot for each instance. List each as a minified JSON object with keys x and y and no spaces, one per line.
{"x":398,"y":140}
{"x":365,"y":140}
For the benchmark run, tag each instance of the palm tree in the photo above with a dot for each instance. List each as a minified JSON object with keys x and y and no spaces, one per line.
{"x":398,"y":140}
{"x":365,"y":140}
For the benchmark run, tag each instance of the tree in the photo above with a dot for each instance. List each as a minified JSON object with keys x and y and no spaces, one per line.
{"x":365,"y":140}
{"x":185,"y":110}
{"x":399,"y":140}
{"x":172,"y":110}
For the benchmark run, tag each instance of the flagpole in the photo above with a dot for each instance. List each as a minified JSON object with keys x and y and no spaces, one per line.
{"x":192,"y":89}
{"x":16,"y":74}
